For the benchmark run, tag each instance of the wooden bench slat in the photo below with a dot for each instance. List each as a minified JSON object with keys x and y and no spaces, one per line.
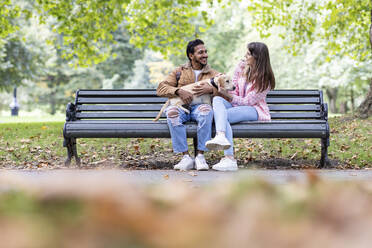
{"x":145,"y":115}
{"x":135,"y":107}
{"x":116,"y":93}
{"x":291,"y":107}
{"x":146,"y":130}
{"x":152,"y":92}
{"x":135,"y":122}
{"x":147,"y":124}
{"x":303,"y":115}
{"x":293,"y":93}
{"x":121,"y":100}
{"x":156,"y":100}
{"x":123,"y":115}
{"x":157,"y":107}
{"x":293,"y":100}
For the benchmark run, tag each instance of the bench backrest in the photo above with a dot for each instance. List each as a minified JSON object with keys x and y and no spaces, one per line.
{"x":144,"y":104}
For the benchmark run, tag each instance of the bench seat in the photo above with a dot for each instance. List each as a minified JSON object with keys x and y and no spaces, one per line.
{"x":145,"y":129}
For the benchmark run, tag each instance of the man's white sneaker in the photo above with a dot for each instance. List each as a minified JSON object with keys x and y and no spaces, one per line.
{"x":186,"y":163}
{"x":226,"y":164}
{"x":200,"y":163}
{"x":219,"y":142}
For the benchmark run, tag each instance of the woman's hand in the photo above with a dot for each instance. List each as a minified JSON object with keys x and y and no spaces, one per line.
{"x":225,"y":94}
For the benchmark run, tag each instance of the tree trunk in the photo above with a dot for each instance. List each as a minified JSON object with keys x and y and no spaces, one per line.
{"x":343,"y":108}
{"x":332,"y":97}
{"x":370,"y":30}
{"x":352,"y":100}
{"x":53,"y":102}
{"x":365,"y":109}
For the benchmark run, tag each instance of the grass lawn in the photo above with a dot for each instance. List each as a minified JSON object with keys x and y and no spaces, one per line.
{"x":35,"y":116}
{"x":38,"y":145}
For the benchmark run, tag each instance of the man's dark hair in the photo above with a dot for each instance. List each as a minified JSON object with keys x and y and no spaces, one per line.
{"x":191,"y":46}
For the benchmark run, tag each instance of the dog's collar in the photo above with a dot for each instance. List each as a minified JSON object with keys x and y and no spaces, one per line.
{"x":213,"y":83}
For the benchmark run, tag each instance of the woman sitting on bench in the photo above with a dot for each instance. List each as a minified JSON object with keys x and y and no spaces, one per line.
{"x":253,"y":79}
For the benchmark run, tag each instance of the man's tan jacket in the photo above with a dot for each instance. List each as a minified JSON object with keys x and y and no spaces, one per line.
{"x":167,"y":88}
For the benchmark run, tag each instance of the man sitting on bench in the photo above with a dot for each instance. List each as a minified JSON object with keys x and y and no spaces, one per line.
{"x":195,"y":70}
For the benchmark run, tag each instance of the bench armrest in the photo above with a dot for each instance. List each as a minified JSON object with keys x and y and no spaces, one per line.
{"x":324,"y":111}
{"x":70,"y":112}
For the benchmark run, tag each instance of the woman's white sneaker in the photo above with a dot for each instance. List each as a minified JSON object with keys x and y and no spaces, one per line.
{"x":219,"y":142}
{"x":200,"y":163}
{"x":226,"y":164}
{"x":186,"y":163}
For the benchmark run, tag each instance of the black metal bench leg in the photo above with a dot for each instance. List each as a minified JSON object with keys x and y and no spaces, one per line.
{"x":70,"y":144}
{"x":74,"y":150}
{"x":324,"y":157}
{"x":195,"y":141}
{"x":67,"y":144}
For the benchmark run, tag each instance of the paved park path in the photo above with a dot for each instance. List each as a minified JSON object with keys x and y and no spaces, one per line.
{"x":146,"y":177}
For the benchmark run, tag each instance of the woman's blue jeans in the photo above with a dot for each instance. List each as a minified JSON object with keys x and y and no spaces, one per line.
{"x":176,"y":117}
{"x":225,"y":113}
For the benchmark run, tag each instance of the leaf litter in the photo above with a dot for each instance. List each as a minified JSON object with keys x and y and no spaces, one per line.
{"x":25,"y":146}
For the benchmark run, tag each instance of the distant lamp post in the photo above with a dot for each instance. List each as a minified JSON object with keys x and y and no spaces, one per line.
{"x":14,"y":106}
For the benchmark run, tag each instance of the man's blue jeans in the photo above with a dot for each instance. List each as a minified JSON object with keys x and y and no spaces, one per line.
{"x":225,"y":113}
{"x":176,"y":117}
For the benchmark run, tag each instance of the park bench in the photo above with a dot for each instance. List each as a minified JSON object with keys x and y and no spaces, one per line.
{"x":129,"y":113}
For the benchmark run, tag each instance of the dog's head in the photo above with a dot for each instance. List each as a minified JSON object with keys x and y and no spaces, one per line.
{"x":223,"y":81}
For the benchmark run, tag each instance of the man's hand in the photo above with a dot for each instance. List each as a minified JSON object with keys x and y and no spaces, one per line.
{"x":185,"y":96}
{"x":202,"y":89}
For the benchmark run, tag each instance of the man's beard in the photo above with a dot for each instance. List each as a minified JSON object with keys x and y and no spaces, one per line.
{"x":202,"y":63}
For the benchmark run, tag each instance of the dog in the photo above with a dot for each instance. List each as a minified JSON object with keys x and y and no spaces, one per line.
{"x":221,"y":81}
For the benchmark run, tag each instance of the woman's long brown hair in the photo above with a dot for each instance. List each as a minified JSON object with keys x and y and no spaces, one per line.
{"x":261,"y":75}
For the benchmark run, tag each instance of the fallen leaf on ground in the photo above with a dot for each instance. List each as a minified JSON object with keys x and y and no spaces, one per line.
{"x":294,"y":155}
{"x":27,"y":141}
{"x":193,"y":174}
{"x":10,"y":149}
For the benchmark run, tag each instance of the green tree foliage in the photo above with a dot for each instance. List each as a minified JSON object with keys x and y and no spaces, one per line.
{"x":23,"y":50}
{"x":324,"y":35}
{"x":225,"y":37}
{"x":28,"y":59}
{"x":19,"y":61}
{"x":60,"y":81}
{"x":8,"y":12}
{"x":142,"y":78}
{"x":121,"y":61}
{"x":88,"y":25}
{"x":343,"y":24}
